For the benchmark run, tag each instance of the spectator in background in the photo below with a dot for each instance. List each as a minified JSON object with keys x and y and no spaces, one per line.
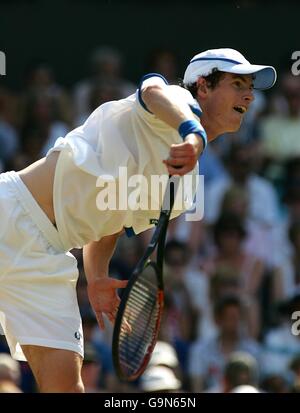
{"x":182,"y":275}
{"x":286,"y":255}
{"x":289,"y":267}
{"x":281,"y":343}
{"x":101,"y":91}
{"x":275,"y":383}
{"x":163,"y":373}
{"x":9,"y":137}
{"x":180,"y":317}
{"x":295,"y":388}
{"x":159,"y":379}
{"x":240,"y":375}
{"x":291,"y":174}
{"x":41,"y":129}
{"x":295,"y":365}
{"x":9,"y":102}
{"x":128,"y":253}
{"x":105,"y":68}
{"x":247,"y":270}
{"x":211,"y":165}
{"x":164,"y":354}
{"x":263,"y":203}
{"x":39,"y":132}
{"x":165,"y":62}
{"x":91,"y":370}
{"x":41,"y":86}
{"x":259,"y":240}
{"x":208,"y":358}
{"x":295,"y":369}
{"x":45,"y":113}
{"x":222,"y":283}
{"x":100,"y":353}
{"x":9,"y":143}
{"x":245,"y":388}
{"x":280,"y":131}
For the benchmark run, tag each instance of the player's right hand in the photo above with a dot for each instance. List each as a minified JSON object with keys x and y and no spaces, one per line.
{"x":184,"y":156}
{"x":104,"y":299}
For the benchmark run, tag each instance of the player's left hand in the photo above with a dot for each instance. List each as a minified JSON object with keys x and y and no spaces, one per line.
{"x":184,"y":156}
{"x":104,"y":299}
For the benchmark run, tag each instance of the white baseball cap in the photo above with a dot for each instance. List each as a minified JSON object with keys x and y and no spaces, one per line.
{"x":231,"y":61}
{"x":164,"y":354}
{"x":245,"y":388}
{"x":159,"y":378}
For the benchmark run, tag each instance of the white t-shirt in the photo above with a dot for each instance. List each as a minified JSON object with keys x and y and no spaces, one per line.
{"x":120,"y":138}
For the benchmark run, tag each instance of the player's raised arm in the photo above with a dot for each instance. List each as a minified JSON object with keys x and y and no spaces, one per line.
{"x":162,"y":100}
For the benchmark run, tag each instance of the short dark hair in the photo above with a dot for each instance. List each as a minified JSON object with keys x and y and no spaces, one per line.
{"x":226,"y":301}
{"x":213,"y":79}
{"x":228,"y":222}
{"x":175,"y":244}
{"x":240,"y":369}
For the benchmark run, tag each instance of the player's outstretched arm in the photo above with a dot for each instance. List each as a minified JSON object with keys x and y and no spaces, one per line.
{"x":102,"y":290}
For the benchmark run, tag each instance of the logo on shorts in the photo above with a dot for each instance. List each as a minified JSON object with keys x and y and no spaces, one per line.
{"x":77,"y":335}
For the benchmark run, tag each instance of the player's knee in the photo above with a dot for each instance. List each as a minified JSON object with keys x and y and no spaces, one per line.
{"x":77,"y":388}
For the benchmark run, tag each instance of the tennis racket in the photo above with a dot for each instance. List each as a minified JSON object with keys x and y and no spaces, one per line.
{"x":138,"y":318}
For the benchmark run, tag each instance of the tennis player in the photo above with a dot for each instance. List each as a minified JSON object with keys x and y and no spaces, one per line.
{"x":51,"y":206}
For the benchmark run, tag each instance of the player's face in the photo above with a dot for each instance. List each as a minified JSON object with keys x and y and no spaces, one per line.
{"x":229,"y":101}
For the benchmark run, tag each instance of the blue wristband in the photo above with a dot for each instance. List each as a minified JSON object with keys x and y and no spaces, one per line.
{"x":192,"y":126}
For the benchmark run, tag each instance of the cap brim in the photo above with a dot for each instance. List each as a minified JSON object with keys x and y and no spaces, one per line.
{"x":265,"y":76}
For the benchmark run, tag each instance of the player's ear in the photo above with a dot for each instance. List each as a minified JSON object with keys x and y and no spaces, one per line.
{"x":202,"y":87}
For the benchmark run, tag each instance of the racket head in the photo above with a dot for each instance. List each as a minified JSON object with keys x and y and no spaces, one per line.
{"x":141,"y":307}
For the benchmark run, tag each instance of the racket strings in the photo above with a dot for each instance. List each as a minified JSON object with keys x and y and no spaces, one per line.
{"x":141,"y":314}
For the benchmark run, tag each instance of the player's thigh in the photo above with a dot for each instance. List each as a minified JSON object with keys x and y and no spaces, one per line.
{"x":55,"y":370}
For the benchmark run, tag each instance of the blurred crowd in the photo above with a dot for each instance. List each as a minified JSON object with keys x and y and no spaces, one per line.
{"x":232,"y":279}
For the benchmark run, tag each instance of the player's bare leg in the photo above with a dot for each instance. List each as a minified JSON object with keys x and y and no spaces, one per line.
{"x":55,"y":370}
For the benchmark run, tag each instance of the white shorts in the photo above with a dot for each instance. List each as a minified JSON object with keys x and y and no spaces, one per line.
{"x":38,"y":301}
